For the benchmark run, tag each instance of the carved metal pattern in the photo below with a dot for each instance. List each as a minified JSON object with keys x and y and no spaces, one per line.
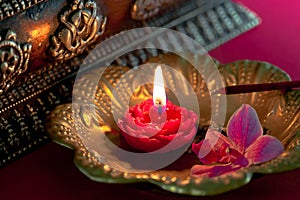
{"x":10,"y":8}
{"x":145,"y":9}
{"x":23,"y":109}
{"x":13,"y":59}
{"x":80,"y":26}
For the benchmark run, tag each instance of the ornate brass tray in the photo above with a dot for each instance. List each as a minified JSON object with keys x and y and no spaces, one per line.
{"x":278,"y":112}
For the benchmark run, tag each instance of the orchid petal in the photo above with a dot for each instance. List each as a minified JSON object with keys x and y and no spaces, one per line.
{"x":264,"y":149}
{"x":212,"y":170}
{"x":216,"y":138}
{"x":244,"y":127}
{"x":207,"y":155}
{"x":214,"y":148}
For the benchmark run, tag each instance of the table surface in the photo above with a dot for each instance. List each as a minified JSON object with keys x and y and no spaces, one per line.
{"x":49,"y":172}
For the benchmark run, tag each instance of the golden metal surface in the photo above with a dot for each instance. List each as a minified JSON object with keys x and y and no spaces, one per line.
{"x":145,"y":9}
{"x":13,"y":59}
{"x":279,"y":114}
{"x":80,"y":25}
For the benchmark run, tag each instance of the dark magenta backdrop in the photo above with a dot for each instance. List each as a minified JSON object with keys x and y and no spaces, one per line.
{"x":275,"y":40}
{"x":49,"y":173}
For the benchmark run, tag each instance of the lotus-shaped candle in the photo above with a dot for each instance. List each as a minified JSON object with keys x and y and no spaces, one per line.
{"x":153,"y":124}
{"x":148,"y":135}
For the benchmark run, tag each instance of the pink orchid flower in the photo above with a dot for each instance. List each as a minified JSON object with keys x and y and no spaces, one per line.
{"x":245,"y":145}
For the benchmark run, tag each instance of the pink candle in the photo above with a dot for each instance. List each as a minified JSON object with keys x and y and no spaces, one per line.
{"x":154,"y":123}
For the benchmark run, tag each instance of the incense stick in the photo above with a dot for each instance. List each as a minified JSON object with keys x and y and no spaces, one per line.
{"x":239,"y":89}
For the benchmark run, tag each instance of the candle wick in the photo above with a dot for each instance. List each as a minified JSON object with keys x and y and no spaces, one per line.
{"x":159,"y":106}
{"x":159,"y":109}
{"x":157,"y":102}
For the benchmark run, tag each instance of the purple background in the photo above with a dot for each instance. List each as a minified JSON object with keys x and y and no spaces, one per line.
{"x":49,"y":172}
{"x":276,"y":40}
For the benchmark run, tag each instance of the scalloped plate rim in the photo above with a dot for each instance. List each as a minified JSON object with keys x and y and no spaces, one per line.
{"x":254,"y":61}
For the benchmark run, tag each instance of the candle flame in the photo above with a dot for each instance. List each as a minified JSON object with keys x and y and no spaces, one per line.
{"x":159,"y":93}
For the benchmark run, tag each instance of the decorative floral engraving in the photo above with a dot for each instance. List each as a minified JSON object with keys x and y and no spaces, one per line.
{"x":144,"y":9}
{"x":13,"y":59}
{"x":80,"y":26}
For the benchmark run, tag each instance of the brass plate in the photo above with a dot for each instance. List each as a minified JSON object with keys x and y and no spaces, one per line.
{"x":279,"y":114}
